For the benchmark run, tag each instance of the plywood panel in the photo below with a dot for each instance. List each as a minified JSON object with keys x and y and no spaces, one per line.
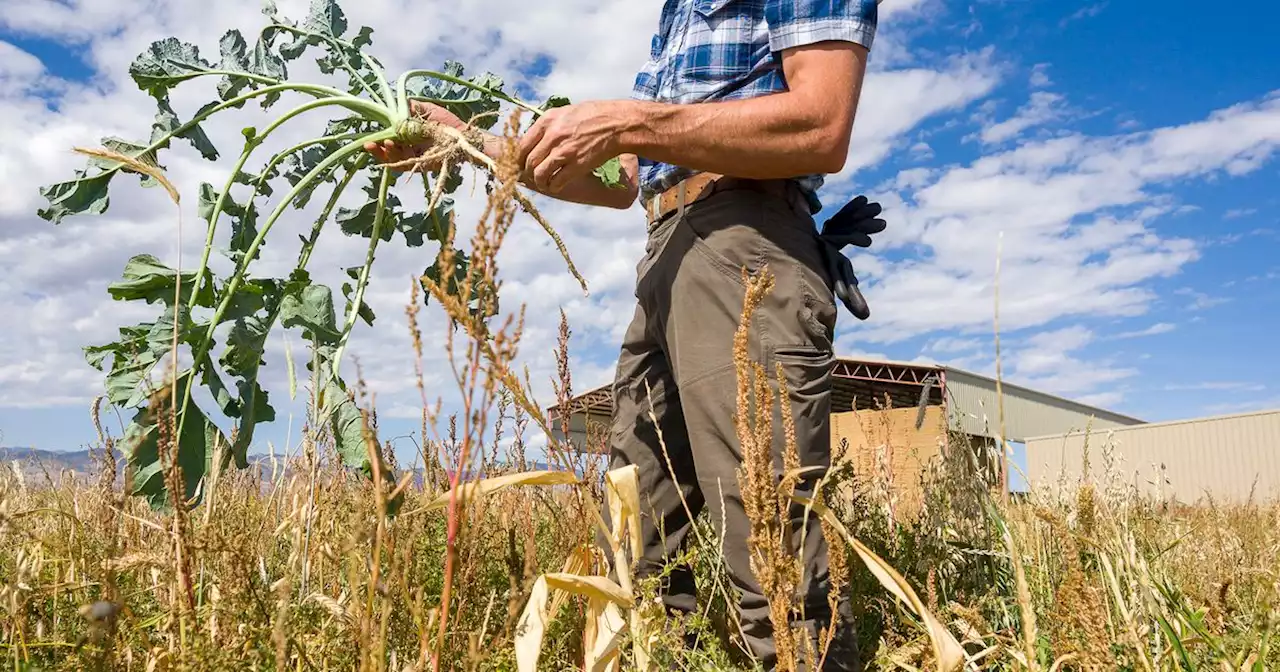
{"x":887,"y":451}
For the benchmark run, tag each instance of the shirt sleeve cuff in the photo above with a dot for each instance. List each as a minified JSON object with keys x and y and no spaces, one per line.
{"x":810,"y":32}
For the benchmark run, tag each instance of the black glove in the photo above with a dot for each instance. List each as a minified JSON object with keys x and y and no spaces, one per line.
{"x":852,"y":225}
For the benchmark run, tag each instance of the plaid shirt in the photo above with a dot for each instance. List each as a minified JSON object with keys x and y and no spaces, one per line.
{"x":729,"y":49}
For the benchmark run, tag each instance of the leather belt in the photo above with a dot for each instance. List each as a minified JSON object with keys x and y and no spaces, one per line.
{"x":691,"y":189}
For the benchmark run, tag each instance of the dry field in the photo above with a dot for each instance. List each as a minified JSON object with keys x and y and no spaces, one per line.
{"x":300,"y":566}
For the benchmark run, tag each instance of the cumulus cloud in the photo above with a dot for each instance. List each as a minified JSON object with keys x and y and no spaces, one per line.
{"x":1043,"y":108}
{"x":1077,"y":217}
{"x":1153,"y":330}
{"x":1077,"y":213}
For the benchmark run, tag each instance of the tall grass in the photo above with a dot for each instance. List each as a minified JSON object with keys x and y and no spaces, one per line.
{"x":301,"y":565}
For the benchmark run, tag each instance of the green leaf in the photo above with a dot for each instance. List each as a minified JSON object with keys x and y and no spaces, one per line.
{"x":365,"y":312}
{"x":244,"y":221}
{"x":165,"y":64}
{"x":243,"y":355}
{"x":359,"y":221}
{"x":144,"y":471}
{"x":167,"y":122}
{"x":87,"y":194}
{"x":298,"y":164}
{"x":326,"y":18}
{"x":554,"y":102}
{"x":353,"y":437}
{"x":312,"y":310}
{"x":419,"y":226}
{"x":236,"y":58}
{"x":610,"y":173}
{"x":255,"y":409}
{"x":221,"y":395}
{"x":133,"y":150}
{"x":145,"y":278}
{"x":463,"y":101}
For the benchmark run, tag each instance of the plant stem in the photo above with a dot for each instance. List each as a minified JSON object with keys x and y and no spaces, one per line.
{"x":378,"y":217}
{"x":250,"y":145}
{"x":198,"y":354}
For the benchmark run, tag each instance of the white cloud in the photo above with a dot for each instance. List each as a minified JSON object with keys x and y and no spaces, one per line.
{"x":1216,"y":386}
{"x":1043,"y":108}
{"x":895,"y":102}
{"x":1040,"y":76}
{"x":1197,"y":300}
{"x":948,"y":344}
{"x":1086,"y":12}
{"x":1153,"y":330}
{"x":1236,"y":213}
{"x":1077,"y":215}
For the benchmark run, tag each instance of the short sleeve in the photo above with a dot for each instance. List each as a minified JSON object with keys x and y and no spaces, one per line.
{"x":796,"y":23}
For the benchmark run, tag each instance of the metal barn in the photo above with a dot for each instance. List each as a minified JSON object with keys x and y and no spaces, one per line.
{"x":1228,"y":458}
{"x":910,"y":409}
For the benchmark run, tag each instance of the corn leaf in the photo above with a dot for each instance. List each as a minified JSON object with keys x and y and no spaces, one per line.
{"x":948,"y":653}
{"x":489,"y":486}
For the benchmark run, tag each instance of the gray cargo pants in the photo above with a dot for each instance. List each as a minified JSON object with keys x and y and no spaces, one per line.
{"x":678,"y":352}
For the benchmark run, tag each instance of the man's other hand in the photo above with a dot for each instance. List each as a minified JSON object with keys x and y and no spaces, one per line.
{"x":390,"y":151}
{"x":569,"y":142}
{"x":854,"y":224}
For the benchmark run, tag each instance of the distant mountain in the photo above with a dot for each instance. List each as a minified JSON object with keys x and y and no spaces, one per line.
{"x":35,"y":460}
{"x":35,"y":463}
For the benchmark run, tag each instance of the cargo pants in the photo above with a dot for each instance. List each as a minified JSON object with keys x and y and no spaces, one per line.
{"x":678,"y":355}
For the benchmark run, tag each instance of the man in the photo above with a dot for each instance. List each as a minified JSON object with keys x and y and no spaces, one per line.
{"x":763,"y":91}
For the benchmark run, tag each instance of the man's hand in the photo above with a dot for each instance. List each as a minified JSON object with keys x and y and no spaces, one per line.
{"x":567,"y":143}
{"x":392,"y":152}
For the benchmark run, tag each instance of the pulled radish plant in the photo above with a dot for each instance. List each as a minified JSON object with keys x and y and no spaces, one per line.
{"x":195,"y":304}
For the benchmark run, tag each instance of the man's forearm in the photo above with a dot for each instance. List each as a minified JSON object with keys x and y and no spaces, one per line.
{"x":803,"y":130}
{"x":776,"y":136}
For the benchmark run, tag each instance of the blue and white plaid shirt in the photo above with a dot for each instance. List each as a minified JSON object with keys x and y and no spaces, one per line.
{"x":730,"y":49}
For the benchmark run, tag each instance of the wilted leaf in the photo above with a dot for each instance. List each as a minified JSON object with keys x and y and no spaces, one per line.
{"x":554,"y":102}
{"x":326,"y":18}
{"x":237,"y":59}
{"x":312,"y":310}
{"x":165,"y":64}
{"x":297,"y":165}
{"x":196,"y":446}
{"x":87,"y":194}
{"x":359,"y":221}
{"x":463,"y":101}
{"x":353,"y":438}
{"x":145,"y":278}
{"x":167,"y":122}
{"x":244,"y":221}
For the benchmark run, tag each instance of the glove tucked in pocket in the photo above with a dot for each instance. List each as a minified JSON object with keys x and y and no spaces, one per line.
{"x":854,"y":224}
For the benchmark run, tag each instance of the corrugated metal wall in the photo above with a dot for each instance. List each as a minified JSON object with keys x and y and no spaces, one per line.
{"x":972,"y":409}
{"x":1225,"y":457}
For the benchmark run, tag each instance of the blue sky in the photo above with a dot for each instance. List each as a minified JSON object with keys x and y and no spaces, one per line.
{"x":1126,"y":150}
